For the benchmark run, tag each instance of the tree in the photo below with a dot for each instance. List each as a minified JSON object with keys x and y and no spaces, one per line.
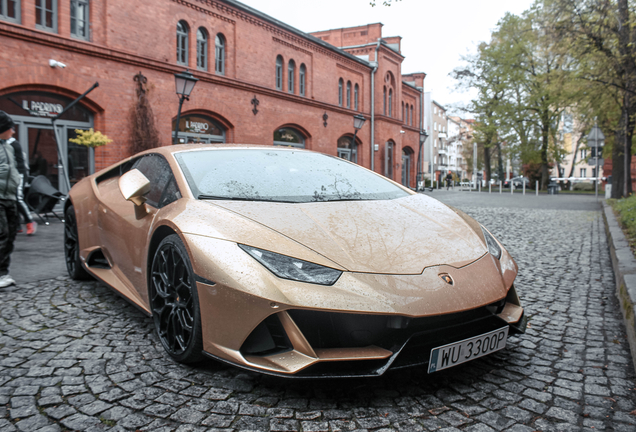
{"x":602,"y":37}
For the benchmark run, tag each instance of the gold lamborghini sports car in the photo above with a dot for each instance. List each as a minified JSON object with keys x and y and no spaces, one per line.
{"x":291,"y":262}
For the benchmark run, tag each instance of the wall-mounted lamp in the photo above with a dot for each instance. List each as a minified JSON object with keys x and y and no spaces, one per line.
{"x":56,"y":64}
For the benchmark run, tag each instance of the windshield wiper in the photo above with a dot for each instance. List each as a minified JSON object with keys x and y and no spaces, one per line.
{"x":233,"y":198}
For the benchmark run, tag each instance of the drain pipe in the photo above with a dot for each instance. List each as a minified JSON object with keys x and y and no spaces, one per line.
{"x":375,"y":68}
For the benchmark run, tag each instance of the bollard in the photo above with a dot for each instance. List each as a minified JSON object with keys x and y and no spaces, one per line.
{"x":479,"y":187}
{"x":536,"y":187}
{"x":489,"y":187}
{"x":524,"y":187}
{"x":500,"y":183}
{"x":512,"y":187}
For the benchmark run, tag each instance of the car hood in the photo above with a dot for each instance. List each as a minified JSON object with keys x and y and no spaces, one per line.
{"x":400,"y":236}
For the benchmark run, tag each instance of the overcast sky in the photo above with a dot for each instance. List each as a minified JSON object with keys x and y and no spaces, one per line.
{"x":435,"y":34}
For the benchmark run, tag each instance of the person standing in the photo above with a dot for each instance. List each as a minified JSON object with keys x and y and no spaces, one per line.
{"x":9,"y":182}
{"x":449,"y":179}
{"x":23,"y":169}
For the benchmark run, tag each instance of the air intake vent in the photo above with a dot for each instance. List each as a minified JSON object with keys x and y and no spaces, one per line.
{"x":97,"y":260}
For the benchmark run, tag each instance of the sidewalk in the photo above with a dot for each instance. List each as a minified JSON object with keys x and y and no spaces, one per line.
{"x":40,"y":256}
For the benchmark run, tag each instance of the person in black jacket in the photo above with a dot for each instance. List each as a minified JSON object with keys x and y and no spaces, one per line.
{"x":23,"y":169}
{"x":9,"y":182}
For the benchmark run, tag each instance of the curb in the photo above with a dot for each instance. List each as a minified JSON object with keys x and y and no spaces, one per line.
{"x":624,"y":265}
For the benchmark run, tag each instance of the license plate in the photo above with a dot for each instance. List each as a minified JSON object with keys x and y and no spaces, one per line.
{"x":469,"y":349}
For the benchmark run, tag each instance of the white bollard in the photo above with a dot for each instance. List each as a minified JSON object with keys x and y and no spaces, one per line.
{"x":479,"y":187}
{"x":489,"y":187}
{"x":536,"y":187}
{"x":524,"y":187}
{"x":500,"y":183}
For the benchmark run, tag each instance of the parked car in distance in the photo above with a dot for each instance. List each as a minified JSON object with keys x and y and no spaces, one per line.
{"x":517,"y":182}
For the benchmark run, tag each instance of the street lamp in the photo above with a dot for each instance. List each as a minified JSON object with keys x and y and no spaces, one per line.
{"x":596,"y":140}
{"x":358,"y":122}
{"x":184,"y":83}
{"x":423,"y":136}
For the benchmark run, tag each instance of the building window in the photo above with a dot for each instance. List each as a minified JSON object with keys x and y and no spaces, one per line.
{"x":389,"y":148}
{"x":583,"y":172}
{"x":435,"y":126}
{"x":340,"y":90}
{"x":46,"y":14}
{"x":79,"y":19}
{"x":182,"y":43}
{"x":411,"y":115}
{"x":583,"y":154}
{"x":291,"y":72}
{"x":390,"y":102}
{"x":289,"y":137}
{"x":302,"y":80}
{"x":356,"y":94}
{"x":219,"y":43}
{"x":347,"y":149}
{"x":593,"y":172}
{"x":10,"y":10}
{"x":279,"y":73}
{"x":384,"y":101}
{"x":202,"y":49}
{"x":348,"y":94}
{"x":403,"y":118}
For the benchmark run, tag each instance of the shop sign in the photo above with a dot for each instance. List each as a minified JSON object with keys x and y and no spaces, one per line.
{"x":42,"y":109}
{"x":196,"y":127}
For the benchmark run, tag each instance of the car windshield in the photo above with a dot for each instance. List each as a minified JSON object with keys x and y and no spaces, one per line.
{"x":281,"y":176}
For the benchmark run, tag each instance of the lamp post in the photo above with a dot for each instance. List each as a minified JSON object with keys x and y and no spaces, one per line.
{"x":358,"y":122}
{"x":596,"y":140}
{"x":184,"y":83}
{"x":423,"y":136}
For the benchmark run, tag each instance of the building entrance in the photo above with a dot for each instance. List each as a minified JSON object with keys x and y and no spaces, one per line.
{"x":32,"y":111}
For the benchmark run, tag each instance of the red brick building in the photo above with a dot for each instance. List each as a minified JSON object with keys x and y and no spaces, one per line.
{"x":260,"y":81}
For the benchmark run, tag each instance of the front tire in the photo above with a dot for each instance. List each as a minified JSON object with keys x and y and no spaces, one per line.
{"x":71,"y":247}
{"x":174,"y":301}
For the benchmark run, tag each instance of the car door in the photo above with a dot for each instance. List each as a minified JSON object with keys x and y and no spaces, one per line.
{"x":124,"y":234}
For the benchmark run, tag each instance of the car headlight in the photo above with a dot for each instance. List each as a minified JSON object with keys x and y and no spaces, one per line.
{"x":493,"y":247}
{"x":292,"y":268}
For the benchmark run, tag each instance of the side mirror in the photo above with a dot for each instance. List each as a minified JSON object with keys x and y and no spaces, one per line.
{"x":133,"y":186}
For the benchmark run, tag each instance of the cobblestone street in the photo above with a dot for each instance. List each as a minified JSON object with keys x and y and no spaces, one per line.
{"x":75,"y":356}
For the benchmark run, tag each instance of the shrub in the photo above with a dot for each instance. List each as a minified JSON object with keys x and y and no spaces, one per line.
{"x":583,"y":186}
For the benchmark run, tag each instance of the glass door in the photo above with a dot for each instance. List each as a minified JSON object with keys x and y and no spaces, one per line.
{"x":43,"y":154}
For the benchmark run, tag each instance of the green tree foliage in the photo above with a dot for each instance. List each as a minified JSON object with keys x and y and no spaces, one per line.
{"x":524,"y":82}
{"x":601,"y":35}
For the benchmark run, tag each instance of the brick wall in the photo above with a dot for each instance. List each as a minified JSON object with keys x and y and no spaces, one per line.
{"x":132,"y":37}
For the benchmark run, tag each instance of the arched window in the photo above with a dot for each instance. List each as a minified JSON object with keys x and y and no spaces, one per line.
{"x":403,"y":119}
{"x":390,"y":102}
{"x":291,"y":72}
{"x":302,"y":80}
{"x":384,"y":101}
{"x":279,"y":73}
{"x":411,"y":115}
{"x":219,"y":54}
{"x":199,"y":128}
{"x":389,"y":148}
{"x":356,"y":95}
{"x":340,"y":85}
{"x":289,"y":137}
{"x":348,"y":94}
{"x":347,"y":149}
{"x":407,"y":161}
{"x":202,"y":49}
{"x":182,"y":43}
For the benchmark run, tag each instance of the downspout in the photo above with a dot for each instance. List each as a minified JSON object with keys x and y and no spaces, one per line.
{"x":375,"y":68}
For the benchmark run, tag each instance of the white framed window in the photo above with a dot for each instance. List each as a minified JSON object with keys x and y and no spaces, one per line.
{"x":10,"y":10}
{"x":291,"y":74}
{"x":80,"y":19}
{"x":435,"y":126}
{"x":348,"y":94}
{"x":182,"y":43}
{"x":583,"y":172}
{"x":279,"y":72}
{"x":583,"y":154}
{"x":219,"y":54}
{"x":356,"y":95}
{"x":46,"y":15}
{"x":302,"y":80}
{"x":202,"y":49}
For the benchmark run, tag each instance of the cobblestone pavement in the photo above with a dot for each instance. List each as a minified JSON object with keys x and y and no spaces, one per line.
{"x":75,"y":356}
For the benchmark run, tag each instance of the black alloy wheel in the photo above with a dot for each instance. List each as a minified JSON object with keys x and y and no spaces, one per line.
{"x":71,"y":247}
{"x":174,"y":301}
